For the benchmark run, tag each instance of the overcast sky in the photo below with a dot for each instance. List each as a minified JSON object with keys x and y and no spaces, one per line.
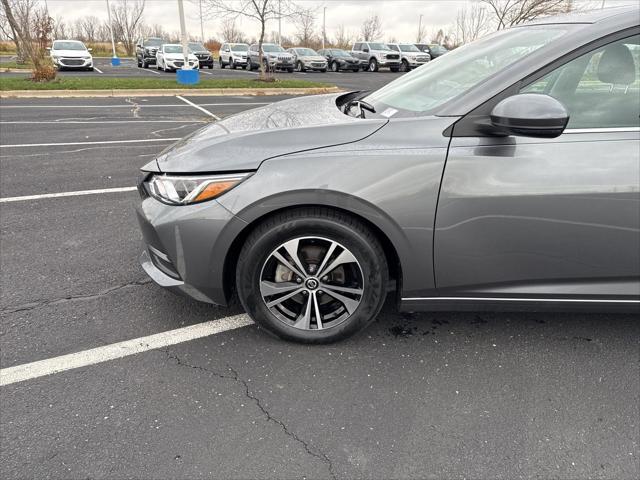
{"x":399,"y":17}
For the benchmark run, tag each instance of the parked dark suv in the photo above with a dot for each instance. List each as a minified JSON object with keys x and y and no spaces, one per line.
{"x":205,"y":59}
{"x":146,"y":50}
{"x":340,"y":60}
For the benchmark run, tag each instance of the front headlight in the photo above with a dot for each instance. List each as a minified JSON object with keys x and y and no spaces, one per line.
{"x":185,"y":190}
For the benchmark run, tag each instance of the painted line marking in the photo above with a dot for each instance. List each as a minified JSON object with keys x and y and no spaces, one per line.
{"x":103,"y":142}
{"x":41,"y":368}
{"x":65,"y":122}
{"x":206,"y":73}
{"x":151,"y":71}
{"x":198,"y":107}
{"x":97,"y":69}
{"x":67,"y":194}
{"x":129,"y":106}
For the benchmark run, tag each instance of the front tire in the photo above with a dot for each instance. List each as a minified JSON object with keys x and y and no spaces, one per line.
{"x":404,"y":66}
{"x":335,"y":67}
{"x":373,"y":65}
{"x":312,"y":275}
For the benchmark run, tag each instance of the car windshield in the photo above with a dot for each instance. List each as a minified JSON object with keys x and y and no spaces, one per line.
{"x":306,"y":52}
{"x":197,"y":47}
{"x":153,"y":42}
{"x":239,"y":48}
{"x":68,"y":46}
{"x":393,"y":47}
{"x":172,"y":49}
{"x":409,"y":48}
{"x":272,"y":48}
{"x":439,"y":49}
{"x":378,"y":46}
{"x":339,"y":53}
{"x":452,"y":75}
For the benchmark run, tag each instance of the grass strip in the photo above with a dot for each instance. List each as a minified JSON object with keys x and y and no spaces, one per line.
{"x":102,"y":83}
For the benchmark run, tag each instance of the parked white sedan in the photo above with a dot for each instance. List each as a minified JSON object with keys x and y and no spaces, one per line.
{"x":71,"y":54}
{"x":170,"y":58}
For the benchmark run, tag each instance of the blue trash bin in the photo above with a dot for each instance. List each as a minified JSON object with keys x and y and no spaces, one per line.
{"x":188,"y":77}
{"x":115,"y":61}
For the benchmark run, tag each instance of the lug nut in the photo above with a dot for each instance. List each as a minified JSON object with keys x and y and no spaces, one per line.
{"x":304,"y":292}
{"x":325,"y":278}
{"x":319,"y":292}
{"x":298,"y":279}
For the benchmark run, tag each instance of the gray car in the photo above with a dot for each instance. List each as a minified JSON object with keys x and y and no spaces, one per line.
{"x":505,"y":175}
{"x":308,"y":59}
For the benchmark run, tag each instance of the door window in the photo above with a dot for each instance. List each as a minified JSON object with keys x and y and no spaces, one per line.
{"x":601,"y":89}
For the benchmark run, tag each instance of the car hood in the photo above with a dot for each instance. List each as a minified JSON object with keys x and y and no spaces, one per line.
{"x":71,"y":53}
{"x":179,"y":56}
{"x":243,"y":141}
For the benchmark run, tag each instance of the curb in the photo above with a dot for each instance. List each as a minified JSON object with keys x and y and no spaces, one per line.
{"x":168,"y":92}
{"x":14,"y":70}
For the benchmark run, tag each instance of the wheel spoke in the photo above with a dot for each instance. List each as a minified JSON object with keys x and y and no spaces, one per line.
{"x":304,"y":320}
{"x":345,"y":257}
{"x":292,"y":249}
{"x":287,"y":264}
{"x":278,"y":301}
{"x":354,"y":291}
{"x":268,"y":288}
{"x":317,"y":310}
{"x":348,"y":303}
{"x":327,"y":256}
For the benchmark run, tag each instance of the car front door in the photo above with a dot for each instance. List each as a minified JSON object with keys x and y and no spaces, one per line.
{"x":550,"y":219}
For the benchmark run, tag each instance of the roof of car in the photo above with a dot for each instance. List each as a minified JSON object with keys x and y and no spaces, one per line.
{"x":590,"y":16}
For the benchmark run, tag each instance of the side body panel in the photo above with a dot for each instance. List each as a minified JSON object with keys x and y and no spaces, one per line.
{"x":391,"y":179}
{"x":557,"y":218}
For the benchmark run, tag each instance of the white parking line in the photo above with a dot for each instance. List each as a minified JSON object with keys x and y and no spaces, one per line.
{"x":97,"y":69}
{"x":151,"y":71}
{"x":198,"y":107}
{"x":66,"y":194}
{"x":104,"y":142}
{"x":28,"y":371}
{"x":64,"y":122}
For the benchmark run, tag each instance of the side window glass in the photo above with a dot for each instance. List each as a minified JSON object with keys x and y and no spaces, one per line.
{"x":601,"y":89}
{"x":357,"y":46}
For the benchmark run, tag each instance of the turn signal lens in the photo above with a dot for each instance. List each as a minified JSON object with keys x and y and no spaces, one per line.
{"x":185,"y":190}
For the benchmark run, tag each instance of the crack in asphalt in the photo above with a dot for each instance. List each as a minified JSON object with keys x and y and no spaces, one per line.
{"x":71,"y":298}
{"x":250,"y":395}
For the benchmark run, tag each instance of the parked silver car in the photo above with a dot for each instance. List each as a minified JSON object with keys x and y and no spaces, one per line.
{"x":273,"y":56}
{"x":308,"y":59}
{"x":506,"y":175}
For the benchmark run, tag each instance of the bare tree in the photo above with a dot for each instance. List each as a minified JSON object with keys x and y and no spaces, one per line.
{"x":422,"y":32}
{"x":261,"y":11}
{"x":231,"y":33}
{"x":343,"y":38}
{"x":371,"y":28}
{"x":22,"y":12}
{"x":513,"y":12}
{"x":471,"y":24}
{"x":305,"y":22}
{"x":59,"y":28}
{"x":127,"y":17}
{"x":33,"y":36}
{"x":89,"y":27}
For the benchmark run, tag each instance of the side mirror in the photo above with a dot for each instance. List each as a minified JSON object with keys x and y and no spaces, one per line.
{"x":48,"y":48}
{"x":365,"y":50}
{"x":89,"y":49}
{"x":530,"y":115}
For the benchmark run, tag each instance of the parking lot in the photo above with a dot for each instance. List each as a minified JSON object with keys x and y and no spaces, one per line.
{"x":429,"y":395}
{"x":128,"y":68}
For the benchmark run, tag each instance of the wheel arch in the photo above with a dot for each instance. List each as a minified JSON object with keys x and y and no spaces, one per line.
{"x":254,"y":218}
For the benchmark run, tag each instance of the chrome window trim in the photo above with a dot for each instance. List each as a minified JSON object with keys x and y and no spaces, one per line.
{"x":513,"y":299}
{"x":602,"y":130}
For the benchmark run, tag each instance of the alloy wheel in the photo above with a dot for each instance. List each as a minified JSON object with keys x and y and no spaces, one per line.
{"x":312,"y":283}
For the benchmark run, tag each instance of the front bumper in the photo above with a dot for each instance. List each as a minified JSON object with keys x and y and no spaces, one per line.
{"x":206,"y":62}
{"x":71,"y":62}
{"x":383,"y":62}
{"x":315,"y":65}
{"x":185,"y":247}
{"x":414,"y":62}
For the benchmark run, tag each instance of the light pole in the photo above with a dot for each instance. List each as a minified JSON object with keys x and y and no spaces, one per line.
{"x":420,"y":28}
{"x":115,"y":61}
{"x":324,"y":26}
{"x":279,"y":22}
{"x":201,"y":24}
{"x":185,"y":75}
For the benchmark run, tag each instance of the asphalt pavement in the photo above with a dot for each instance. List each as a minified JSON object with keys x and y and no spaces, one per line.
{"x":128,"y":69}
{"x":429,"y":395}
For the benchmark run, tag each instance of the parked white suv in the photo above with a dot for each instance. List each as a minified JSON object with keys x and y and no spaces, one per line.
{"x":70,"y":54}
{"x":410,"y":55}
{"x":170,"y":58}
{"x":373,"y":55}
{"x":233,"y":54}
